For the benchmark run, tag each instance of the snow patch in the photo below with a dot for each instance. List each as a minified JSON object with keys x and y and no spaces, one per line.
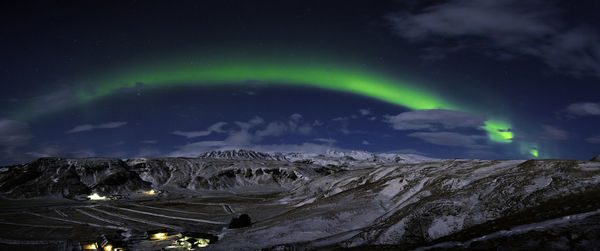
{"x":538,"y":183}
{"x":445,"y":225}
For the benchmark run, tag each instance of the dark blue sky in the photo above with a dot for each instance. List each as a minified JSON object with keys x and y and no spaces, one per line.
{"x":537,"y":62}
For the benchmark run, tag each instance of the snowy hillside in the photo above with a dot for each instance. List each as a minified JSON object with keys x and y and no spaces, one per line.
{"x":334,"y":200}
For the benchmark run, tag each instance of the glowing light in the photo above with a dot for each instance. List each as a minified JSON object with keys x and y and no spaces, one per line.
{"x":92,"y":246}
{"x":202,"y":243}
{"x":159,"y":236}
{"x":320,"y":75}
{"x":150,"y":192}
{"x":95,"y":196}
{"x":224,"y":69}
{"x":108,"y":247}
{"x":534,"y":152}
{"x":498,"y":131}
{"x":328,"y":76}
{"x":191,"y":242}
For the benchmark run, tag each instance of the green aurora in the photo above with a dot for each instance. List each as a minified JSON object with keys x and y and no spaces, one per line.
{"x":317,"y":74}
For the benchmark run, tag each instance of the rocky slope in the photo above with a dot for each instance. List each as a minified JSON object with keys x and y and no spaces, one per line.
{"x":69,"y":178}
{"x":218,"y":170}
{"x":357,"y":200}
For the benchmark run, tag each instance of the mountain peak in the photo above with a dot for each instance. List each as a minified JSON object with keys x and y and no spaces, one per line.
{"x":240,"y":154}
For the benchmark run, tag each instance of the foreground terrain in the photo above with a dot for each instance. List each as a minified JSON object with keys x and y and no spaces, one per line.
{"x":304,"y":201}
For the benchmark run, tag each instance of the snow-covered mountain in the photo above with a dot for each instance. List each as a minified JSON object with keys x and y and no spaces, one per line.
{"x":240,"y":154}
{"x":69,"y":178}
{"x":234,"y":169}
{"x":351,"y":200}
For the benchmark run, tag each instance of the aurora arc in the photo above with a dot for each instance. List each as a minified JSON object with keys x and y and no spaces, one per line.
{"x":319,"y":75}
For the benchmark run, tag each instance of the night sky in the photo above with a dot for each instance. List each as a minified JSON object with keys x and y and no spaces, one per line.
{"x":451,"y":79}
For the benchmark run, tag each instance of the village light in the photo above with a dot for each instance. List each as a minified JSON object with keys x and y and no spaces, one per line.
{"x":159,"y":236}
{"x":150,"y":192}
{"x":108,"y":247}
{"x":90,"y":247}
{"x":95,"y":196}
{"x":202,"y":243}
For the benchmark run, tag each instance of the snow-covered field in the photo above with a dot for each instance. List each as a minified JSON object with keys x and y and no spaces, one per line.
{"x":305,"y":201}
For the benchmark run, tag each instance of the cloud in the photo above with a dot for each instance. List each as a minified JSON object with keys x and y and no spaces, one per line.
{"x":147,"y":153}
{"x":249,"y":135}
{"x":53,"y":101}
{"x":194,"y":149}
{"x":148,"y":141}
{"x":252,"y":123}
{"x":217,"y":127}
{"x":593,"y":139}
{"x":432,"y":120}
{"x":449,"y":139}
{"x":553,"y":133}
{"x":407,"y":151}
{"x":344,"y":123}
{"x":293,"y":125}
{"x":306,"y":147}
{"x":46,"y":151}
{"x":272,"y":129}
{"x":364,"y":112}
{"x":59,"y":151}
{"x":246,"y":137}
{"x":14,"y":134}
{"x":583,"y":109}
{"x":366,"y":143}
{"x":503,"y":29}
{"x":328,"y":141}
{"x":90,"y":127}
{"x":241,"y":138}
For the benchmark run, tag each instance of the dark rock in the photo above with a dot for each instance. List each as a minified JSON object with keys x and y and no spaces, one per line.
{"x":597,"y":158}
{"x":241,"y":221}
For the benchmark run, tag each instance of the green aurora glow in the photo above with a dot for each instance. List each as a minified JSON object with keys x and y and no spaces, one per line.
{"x":534,"y":152}
{"x":319,"y":74}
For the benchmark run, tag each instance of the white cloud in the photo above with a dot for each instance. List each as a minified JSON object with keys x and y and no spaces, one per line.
{"x":148,"y":153}
{"x":432,"y":119}
{"x":593,"y":139}
{"x":149,"y":141}
{"x":252,"y":123}
{"x":583,"y":109}
{"x":241,"y":138}
{"x":366,"y":143}
{"x":14,"y":133}
{"x":46,"y":151}
{"x":503,"y":29}
{"x":247,"y":136}
{"x":192,"y":134}
{"x":318,"y":123}
{"x":295,"y":148}
{"x":272,"y":129}
{"x":293,"y":125}
{"x":295,"y":117}
{"x":217,"y":127}
{"x":449,"y":139}
{"x":328,"y":141}
{"x":91,"y":127}
{"x":553,"y":133}
{"x":59,"y":151}
{"x":194,"y":149}
{"x":364,"y":112}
